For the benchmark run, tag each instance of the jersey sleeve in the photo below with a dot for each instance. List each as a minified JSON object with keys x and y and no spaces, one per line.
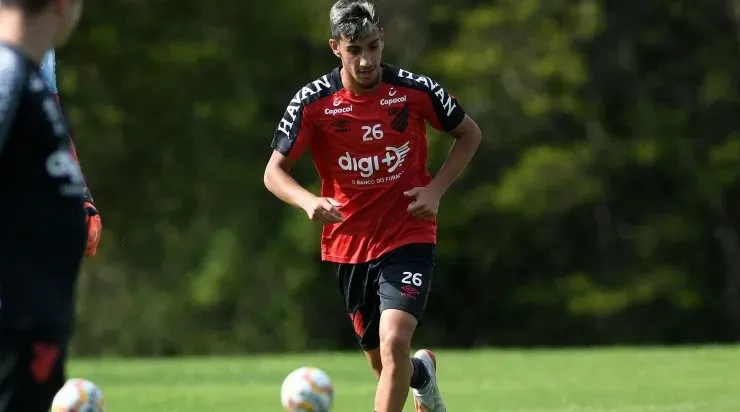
{"x":49,"y":74}
{"x":294,"y":132}
{"x":441,"y":109}
{"x":13,"y":76}
{"x":49,"y":71}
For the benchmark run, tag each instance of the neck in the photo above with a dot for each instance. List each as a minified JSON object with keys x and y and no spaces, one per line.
{"x":31,"y":36}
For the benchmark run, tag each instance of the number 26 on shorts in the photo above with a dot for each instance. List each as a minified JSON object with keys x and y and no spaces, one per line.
{"x":411,"y":278}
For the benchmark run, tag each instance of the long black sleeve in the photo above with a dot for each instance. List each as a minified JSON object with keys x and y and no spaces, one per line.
{"x":13,"y":75}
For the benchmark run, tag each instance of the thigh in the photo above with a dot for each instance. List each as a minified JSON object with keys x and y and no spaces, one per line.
{"x":406,"y":278}
{"x":358,"y":283}
{"x":31,"y":373}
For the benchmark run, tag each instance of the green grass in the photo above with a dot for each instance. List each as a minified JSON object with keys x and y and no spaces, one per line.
{"x":636,"y":380}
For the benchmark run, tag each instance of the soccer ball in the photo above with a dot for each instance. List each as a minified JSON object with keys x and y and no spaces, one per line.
{"x":307,"y":390}
{"x":78,"y":395}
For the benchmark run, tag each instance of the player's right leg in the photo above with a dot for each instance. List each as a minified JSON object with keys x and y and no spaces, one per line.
{"x":357,"y":285}
{"x":31,"y":372}
{"x":374,"y":360}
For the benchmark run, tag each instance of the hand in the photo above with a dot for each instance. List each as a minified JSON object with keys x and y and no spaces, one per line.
{"x":94,"y":229}
{"x":324,"y":210}
{"x":426,"y":203}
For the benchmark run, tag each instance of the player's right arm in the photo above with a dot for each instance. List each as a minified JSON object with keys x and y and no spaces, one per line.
{"x":12,"y":82}
{"x":292,"y":135}
{"x":92,"y":217}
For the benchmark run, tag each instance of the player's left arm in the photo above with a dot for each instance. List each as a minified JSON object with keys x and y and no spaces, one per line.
{"x":92,"y":217}
{"x":444,"y":113}
{"x":467,"y":137}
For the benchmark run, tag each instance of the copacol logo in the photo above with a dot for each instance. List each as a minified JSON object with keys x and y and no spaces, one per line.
{"x":392,"y":100}
{"x":367,"y":166}
{"x":338,"y":110}
{"x":388,"y":102}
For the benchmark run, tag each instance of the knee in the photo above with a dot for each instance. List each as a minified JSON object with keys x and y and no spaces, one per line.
{"x":395,"y":348}
{"x":396,"y":329}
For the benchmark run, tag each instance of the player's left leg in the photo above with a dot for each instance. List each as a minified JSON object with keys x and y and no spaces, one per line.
{"x":357,"y":286}
{"x":396,"y":330}
{"x":403,"y":287}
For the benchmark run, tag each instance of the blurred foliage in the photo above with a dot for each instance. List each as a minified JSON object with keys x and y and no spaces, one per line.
{"x":602,"y":207}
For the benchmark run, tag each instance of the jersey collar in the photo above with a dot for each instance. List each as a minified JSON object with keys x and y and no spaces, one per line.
{"x":335,"y":78}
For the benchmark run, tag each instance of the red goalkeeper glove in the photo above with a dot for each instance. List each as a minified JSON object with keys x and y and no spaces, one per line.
{"x":94,"y":228}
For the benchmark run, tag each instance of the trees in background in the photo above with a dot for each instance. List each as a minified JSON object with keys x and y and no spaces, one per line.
{"x":602,"y":207}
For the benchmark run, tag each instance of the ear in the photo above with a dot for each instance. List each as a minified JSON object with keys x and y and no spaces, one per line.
{"x":335,"y":48}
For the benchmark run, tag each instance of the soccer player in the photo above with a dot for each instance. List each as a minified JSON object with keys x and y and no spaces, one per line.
{"x":92,"y":217}
{"x":42,"y":220}
{"x":365,"y":125}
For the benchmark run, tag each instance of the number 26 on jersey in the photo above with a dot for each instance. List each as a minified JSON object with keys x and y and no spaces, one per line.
{"x":371,"y":133}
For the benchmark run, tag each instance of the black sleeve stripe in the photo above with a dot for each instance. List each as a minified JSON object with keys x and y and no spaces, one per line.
{"x":12,"y":83}
{"x":447,"y":109}
{"x":289,"y":127}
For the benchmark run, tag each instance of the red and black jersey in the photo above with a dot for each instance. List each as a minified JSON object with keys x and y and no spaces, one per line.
{"x":368,"y":149}
{"x":42,"y":220}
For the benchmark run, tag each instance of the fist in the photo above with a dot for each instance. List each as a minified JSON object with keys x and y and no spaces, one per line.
{"x":425,"y":204}
{"x":324,"y":210}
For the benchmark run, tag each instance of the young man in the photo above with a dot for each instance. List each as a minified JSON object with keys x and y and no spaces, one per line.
{"x":92,"y":217}
{"x":365,"y":123}
{"x":42,"y":221}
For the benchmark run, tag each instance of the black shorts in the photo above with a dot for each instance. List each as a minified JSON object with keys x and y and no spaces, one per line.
{"x":31,"y":373}
{"x":400,"y":279}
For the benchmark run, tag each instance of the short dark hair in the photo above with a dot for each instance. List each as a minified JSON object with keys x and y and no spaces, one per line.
{"x":29,"y":6}
{"x":353,"y":19}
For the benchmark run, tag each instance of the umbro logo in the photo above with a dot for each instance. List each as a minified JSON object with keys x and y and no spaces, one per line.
{"x":340,"y":125}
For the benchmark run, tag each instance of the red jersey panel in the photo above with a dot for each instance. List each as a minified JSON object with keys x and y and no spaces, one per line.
{"x":368,"y":149}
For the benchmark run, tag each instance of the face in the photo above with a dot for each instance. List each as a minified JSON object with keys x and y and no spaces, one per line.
{"x":68,"y":13}
{"x":361,"y":59}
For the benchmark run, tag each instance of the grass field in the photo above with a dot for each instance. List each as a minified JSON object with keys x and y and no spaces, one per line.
{"x":688,"y":379}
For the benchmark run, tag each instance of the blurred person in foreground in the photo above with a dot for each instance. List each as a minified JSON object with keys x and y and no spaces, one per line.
{"x":365,"y":125}
{"x":43,"y":233}
{"x":92,"y":217}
